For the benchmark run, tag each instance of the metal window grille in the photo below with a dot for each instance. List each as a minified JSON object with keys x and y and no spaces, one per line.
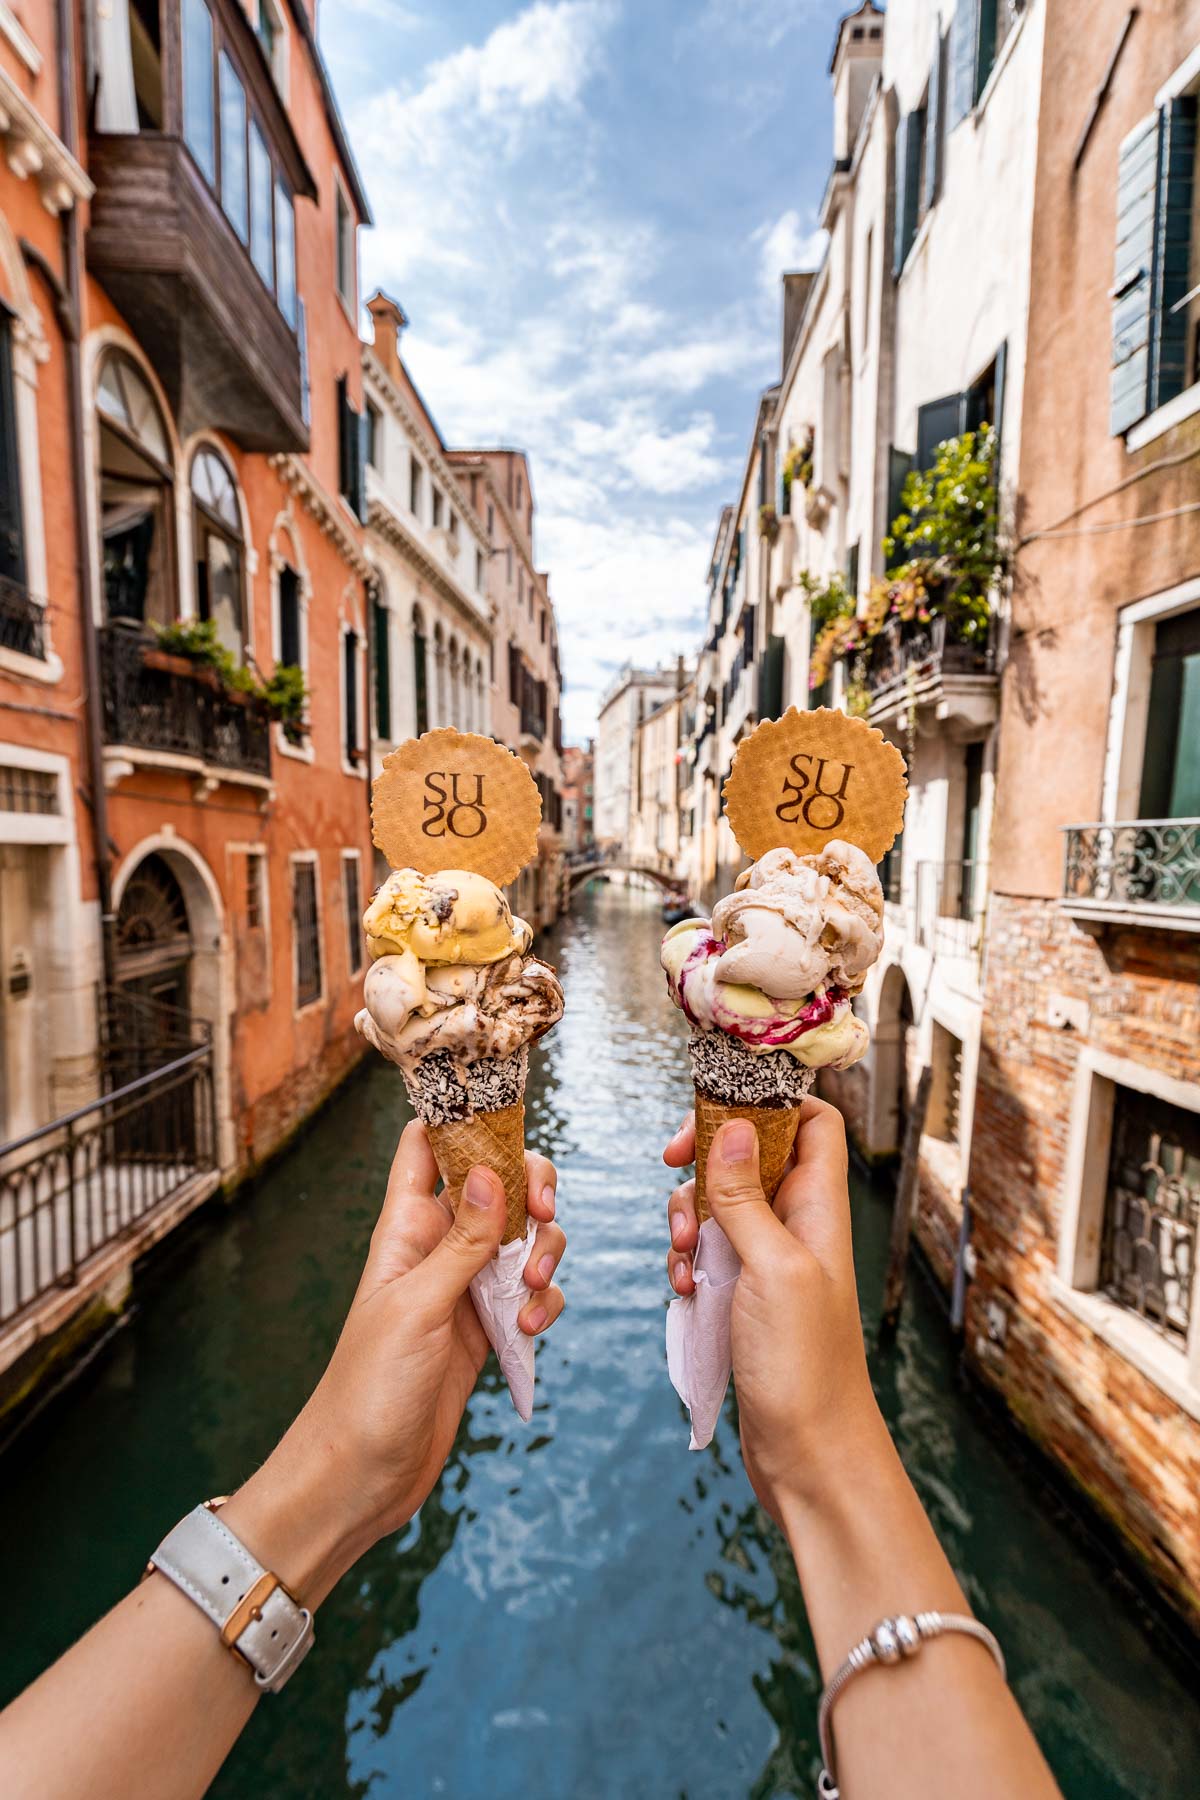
{"x":307,"y":930}
{"x":28,"y":790}
{"x":1152,"y":1215}
{"x":353,"y":909}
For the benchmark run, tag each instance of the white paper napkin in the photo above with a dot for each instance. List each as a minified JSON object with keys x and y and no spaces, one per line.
{"x":699,"y":1354}
{"x":499,"y":1293}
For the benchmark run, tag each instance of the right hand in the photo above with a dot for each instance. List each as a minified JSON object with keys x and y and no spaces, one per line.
{"x":805,"y":1401}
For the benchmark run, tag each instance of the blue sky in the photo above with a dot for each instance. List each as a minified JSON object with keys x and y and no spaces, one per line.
{"x":584,"y":207}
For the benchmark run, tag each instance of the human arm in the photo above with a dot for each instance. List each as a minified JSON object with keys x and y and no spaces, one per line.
{"x":149,"y":1703}
{"x":818,"y":1453}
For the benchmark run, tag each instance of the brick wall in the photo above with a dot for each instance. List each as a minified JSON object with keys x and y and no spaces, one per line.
{"x":1132,"y":1450}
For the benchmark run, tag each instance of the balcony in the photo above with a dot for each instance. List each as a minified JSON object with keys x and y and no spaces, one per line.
{"x":941,"y":908}
{"x":163,"y":712}
{"x":1134,"y":872}
{"x":160,"y":244}
{"x":915,"y":663}
{"x":22,"y":621}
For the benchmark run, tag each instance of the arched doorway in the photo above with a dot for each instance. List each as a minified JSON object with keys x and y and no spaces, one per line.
{"x":894,"y":1064}
{"x":148,"y":1016}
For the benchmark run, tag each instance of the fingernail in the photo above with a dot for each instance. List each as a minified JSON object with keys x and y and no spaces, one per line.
{"x":477,"y":1189}
{"x":681,"y":1270}
{"x":678,"y":1227}
{"x":548,"y":1198}
{"x":537,"y":1318}
{"x":546,"y":1267}
{"x":737,"y":1142}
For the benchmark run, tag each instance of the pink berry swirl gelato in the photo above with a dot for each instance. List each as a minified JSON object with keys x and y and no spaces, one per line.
{"x":782,"y":958}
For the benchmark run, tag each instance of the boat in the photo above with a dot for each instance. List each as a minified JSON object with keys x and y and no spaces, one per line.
{"x":676,"y":906}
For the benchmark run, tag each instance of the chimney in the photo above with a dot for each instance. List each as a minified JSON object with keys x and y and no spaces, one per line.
{"x":857,"y":59}
{"x":389,"y":319}
{"x":796,"y":286}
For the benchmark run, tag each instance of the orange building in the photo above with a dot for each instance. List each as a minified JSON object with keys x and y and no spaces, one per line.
{"x":184,"y":830}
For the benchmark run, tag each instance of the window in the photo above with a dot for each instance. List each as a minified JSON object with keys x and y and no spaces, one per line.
{"x":262,"y":252}
{"x":1171,"y":759}
{"x":305,"y":383}
{"x":12,"y":529}
{"x":285,"y":253}
{"x":272,"y":34}
{"x":234,"y":194}
{"x":353,"y":893}
{"x":256,"y":910}
{"x":508,"y":562}
{"x":980,"y":404}
{"x":1152,"y":1211}
{"x":380,"y":623}
{"x":306,"y":930}
{"x":350,"y":451}
{"x":452,"y":525}
{"x":543,"y":625}
{"x":491,"y":516}
{"x":520,"y":493}
{"x":479,"y":570}
{"x":438,"y":505}
{"x":136,"y":502}
{"x":374,"y":444}
{"x":909,"y":163}
{"x":1156,"y":285}
{"x":199,"y":129}
{"x":290,"y":649}
{"x":344,"y":248}
{"x":414,"y":487}
{"x":420,"y":675}
{"x":217,"y":549}
{"x":978,"y":32}
{"x":520,"y":588}
{"x":350,"y":693}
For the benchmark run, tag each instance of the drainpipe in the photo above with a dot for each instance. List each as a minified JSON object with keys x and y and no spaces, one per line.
{"x":71,"y":228}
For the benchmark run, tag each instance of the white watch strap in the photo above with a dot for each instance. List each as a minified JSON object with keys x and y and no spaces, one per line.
{"x":254,"y":1613}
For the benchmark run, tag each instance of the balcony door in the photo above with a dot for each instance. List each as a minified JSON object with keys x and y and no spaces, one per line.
{"x":217,"y":548}
{"x":1171,"y":767}
{"x":136,"y":488}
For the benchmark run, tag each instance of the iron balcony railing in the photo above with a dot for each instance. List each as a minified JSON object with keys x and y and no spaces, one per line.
{"x":925,"y":648}
{"x":946,"y":904}
{"x":1134,"y":862}
{"x":149,"y":707}
{"x":79,"y":1183}
{"x":22,"y":620}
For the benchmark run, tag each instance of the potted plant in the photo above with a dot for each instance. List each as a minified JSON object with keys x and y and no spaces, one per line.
{"x":768,"y":522}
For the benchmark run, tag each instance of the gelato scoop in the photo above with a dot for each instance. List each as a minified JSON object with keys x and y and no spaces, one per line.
{"x":451,"y":916}
{"x":489,"y":1010}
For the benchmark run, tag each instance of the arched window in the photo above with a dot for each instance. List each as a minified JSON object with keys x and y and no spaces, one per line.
{"x":135,"y":496}
{"x":218,"y":549}
{"x":420,"y":673}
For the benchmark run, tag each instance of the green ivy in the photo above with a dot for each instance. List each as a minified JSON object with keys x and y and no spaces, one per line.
{"x":948,"y":535}
{"x":284,"y":695}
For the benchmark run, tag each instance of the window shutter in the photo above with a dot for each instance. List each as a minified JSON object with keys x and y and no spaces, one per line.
{"x":997,"y":423}
{"x":985,"y":45}
{"x":933,"y":123}
{"x":1133,"y":275}
{"x":937,"y":421}
{"x":350,"y":688}
{"x":343,"y":409}
{"x":1172,"y":249}
{"x":305,"y":381}
{"x":908,"y":187}
{"x":963,"y":44}
{"x":12,"y":536}
{"x":899,"y":466}
{"x":383,"y":671}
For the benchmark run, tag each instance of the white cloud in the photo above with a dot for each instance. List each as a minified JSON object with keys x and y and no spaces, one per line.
{"x":786,"y":245}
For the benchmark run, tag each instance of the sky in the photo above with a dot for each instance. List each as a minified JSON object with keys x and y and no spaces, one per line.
{"x":584,"y":207}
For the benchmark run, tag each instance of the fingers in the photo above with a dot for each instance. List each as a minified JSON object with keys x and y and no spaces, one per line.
{"x":682,"y":1148}
{"x":735,"y":1195}
{"x":814,"y":1200}
{"x":685,"y":1234}
{"x":540,"y":1311}
{"x":541,"y":1184}
{"x":470,"y":1243}
{"x":544,"y":1258}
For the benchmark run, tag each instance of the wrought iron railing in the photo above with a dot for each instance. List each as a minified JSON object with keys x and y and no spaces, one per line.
{"x":137,"y":1034}
{"x":925,"y":648}
{"x":22,"y":620}
{"x":1134,"y":862}
{"x":1151,"y":1230}
{"x":150,"y":707}
{"x":79,"y":1183}
{"x":949,"y":902}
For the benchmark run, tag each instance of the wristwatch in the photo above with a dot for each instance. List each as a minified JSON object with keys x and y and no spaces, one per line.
{"x":256,"y":1616}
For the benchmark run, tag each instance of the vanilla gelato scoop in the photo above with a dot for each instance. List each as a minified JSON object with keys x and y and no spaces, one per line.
{"x":796,"y":922}
{"x":470,"y":1012}
{"x":451,"y":916}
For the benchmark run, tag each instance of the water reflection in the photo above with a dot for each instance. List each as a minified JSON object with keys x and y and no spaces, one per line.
{"x":582,"y":1607}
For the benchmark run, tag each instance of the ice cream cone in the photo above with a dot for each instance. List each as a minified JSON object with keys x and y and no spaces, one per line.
{"x":776,"y":1128}
{"x":496,"y":1139}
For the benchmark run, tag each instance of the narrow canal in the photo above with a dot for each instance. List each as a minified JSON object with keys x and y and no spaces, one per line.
{"x":583,"y":1608}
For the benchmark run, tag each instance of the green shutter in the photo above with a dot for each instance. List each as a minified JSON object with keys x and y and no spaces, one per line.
{"x":933,"y":124}
{"x":1133,"y":275}
{"x":770,"y":679}
{"x":908,"y":187}
{"x":937,"y":421}
{"x":899,"y":467}
{"x":12,"y":535}
{"x":964,"y":41}
{"x":381,"y":643}
{"x":985,"y":45}
{"x":1172,"y":249}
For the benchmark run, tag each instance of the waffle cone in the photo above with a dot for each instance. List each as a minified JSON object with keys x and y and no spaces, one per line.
{"x":776,"y":1128}
{"x":496,"y":1139}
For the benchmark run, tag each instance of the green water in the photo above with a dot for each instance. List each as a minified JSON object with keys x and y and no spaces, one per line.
{"x":583,"y":1608}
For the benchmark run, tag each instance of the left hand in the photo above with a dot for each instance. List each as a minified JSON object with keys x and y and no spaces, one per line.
{"x":373,"y":1439}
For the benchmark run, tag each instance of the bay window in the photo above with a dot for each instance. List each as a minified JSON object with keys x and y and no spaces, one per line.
{"x":199,"y":125}
{"x":234,"y":196}
{"x":262,"y":250}
{"x":285,"y":253}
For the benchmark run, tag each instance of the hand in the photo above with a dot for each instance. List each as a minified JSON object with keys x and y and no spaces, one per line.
{"x":805,"y":1401}
{"x":374,"y":1437}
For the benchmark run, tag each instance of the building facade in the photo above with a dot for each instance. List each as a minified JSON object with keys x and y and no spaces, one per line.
{"x":579,"y":833}
{"x":183,"y":607}
{"x":661,"y":826}
{"x":1084,"y":1311}
{"x":630,"y":696}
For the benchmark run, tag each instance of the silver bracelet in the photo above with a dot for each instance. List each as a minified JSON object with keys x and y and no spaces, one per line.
{"x":892,"y":1641}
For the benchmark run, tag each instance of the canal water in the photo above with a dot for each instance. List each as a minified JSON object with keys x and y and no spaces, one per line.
{"x":583,"y":1608}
